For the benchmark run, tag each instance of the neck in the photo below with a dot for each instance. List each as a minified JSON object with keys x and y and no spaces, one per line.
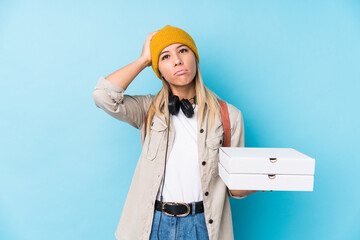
{"x":186,"y":92}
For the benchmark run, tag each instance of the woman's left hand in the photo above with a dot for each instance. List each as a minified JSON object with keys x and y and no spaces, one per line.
{"x":242,"y":193}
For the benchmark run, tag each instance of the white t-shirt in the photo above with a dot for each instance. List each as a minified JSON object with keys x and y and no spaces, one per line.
{"x":182,"y":177}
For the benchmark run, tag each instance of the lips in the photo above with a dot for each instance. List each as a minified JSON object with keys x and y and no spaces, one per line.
{"x":180,"y":71}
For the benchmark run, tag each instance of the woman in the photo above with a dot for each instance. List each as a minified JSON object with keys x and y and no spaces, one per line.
{"x":176,"y":192}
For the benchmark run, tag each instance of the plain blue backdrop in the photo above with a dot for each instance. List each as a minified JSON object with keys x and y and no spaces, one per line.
{"x":291,"y":67}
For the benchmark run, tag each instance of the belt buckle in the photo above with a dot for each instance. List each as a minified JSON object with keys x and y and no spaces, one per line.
{"x":171,"y":215}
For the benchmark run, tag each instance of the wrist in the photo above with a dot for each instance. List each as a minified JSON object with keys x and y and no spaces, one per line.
{"x":144,"y":62}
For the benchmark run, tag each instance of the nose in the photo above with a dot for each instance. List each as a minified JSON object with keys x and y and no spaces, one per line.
{"x":178,"y":60}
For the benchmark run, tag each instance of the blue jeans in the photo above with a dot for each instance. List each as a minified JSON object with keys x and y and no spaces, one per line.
{"x":192,"y":226}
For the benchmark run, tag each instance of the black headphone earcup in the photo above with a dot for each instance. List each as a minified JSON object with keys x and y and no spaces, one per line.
{"x":187,"y":108}
{"x":174,"y":104}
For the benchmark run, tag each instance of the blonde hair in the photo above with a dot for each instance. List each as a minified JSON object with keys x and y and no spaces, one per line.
{"x":203,"y":96}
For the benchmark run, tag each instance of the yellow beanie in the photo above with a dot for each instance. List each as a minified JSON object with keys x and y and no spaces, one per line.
{"x":166,"y":36}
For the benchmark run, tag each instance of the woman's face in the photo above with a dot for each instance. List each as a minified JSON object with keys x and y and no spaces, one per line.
{"x":173,"y":58}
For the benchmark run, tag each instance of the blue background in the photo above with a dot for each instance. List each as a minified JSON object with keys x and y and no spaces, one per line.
{"x":291,"y":67}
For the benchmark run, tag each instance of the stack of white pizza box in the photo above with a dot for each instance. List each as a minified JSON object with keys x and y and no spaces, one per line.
{"x":281,"y":169}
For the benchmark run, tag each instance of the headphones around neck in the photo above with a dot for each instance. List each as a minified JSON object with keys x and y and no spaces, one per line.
{"x":175,"y":104}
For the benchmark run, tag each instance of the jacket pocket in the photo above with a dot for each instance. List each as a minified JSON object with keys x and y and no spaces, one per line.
{"x":213,"y":144}
{"x":156,"y":135}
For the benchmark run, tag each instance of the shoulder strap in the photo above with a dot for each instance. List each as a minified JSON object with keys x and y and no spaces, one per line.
{"x":226,"y":123}
{"x":224,"y":119}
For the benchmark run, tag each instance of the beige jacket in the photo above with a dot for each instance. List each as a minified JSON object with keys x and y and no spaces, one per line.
{"x":137,"y":215}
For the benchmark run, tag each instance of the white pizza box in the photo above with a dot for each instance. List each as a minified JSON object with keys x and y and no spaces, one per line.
{"x":277,"y":182}
{"x":265,"y":160}
{"x":282,"y":169}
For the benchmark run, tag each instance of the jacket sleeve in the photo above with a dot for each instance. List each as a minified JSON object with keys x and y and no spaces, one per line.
{"x":128,"y":108}
{"x":237,"y":140}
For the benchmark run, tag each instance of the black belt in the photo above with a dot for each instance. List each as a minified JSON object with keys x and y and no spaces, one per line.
{"x":178,"y":209}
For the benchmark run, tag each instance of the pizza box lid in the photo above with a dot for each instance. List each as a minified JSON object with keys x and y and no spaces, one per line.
{"x":265,"y":160}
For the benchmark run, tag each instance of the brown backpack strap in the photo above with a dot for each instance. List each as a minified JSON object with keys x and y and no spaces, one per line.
{"x":226,"y":123}
{"x":224,"y":119}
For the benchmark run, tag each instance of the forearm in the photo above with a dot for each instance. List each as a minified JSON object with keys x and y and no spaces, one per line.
{"x":124,"y":76}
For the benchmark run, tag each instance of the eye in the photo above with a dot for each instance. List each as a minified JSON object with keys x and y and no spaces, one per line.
{"x":179,"y":51}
